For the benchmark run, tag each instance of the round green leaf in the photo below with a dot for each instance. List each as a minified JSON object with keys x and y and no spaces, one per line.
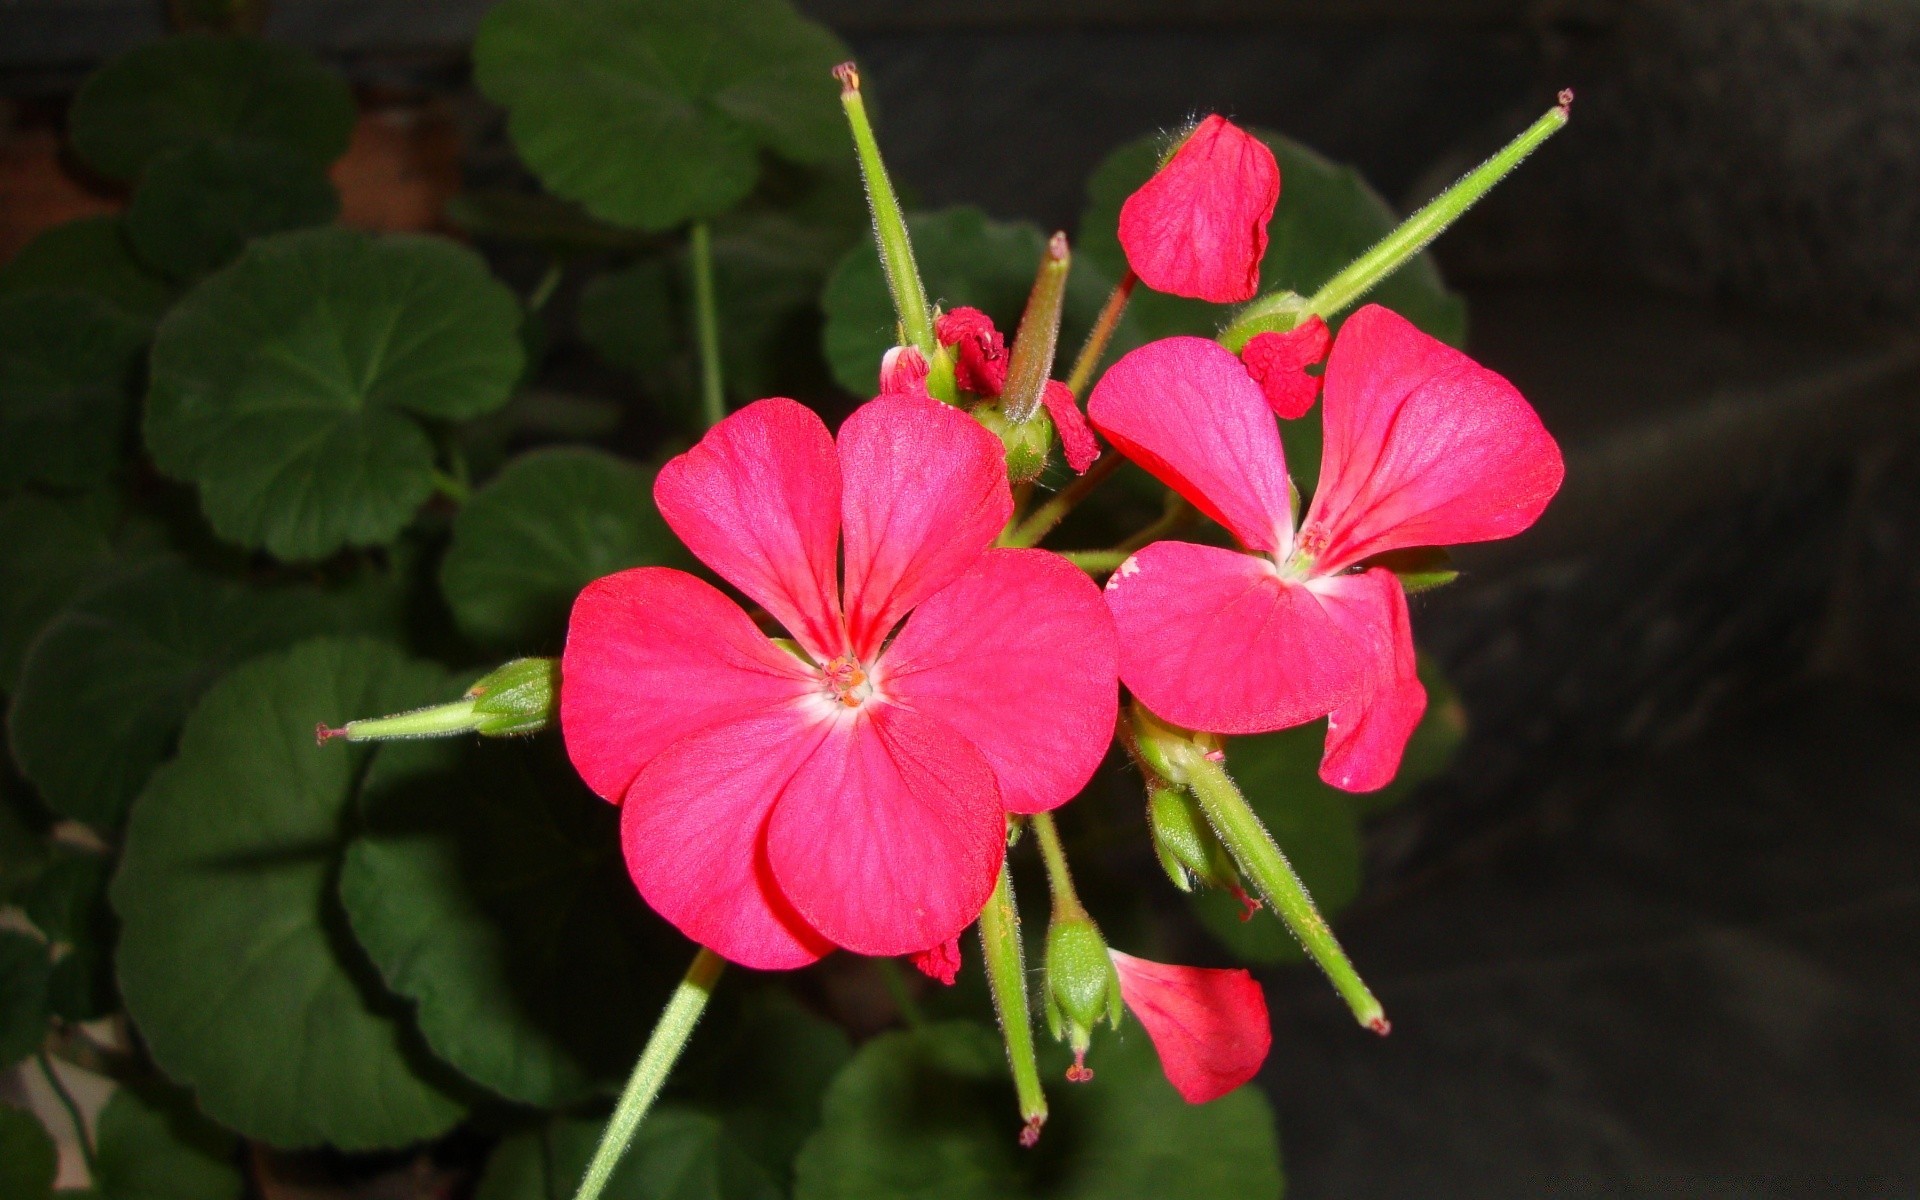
{"x":489,"y":888}
{"x":1327,"y":217}
{"x":199,"y":204}
{"x":289,"y":386}
{"x":651,"y":112}
{"x":29,"y":1161}
{"x":48,"y":550}
{"x":89,"y":255}
{"x":67,"y":365}
{"x":194,"y":87}
{"x":678,"y":1154}
{"x":548,"y":525}
{"x":24,"y":968}
{"x":965,"y":258}
{"x":153,"y":1146}
{"x":235,"y":959}
{"x":931,"y":1112}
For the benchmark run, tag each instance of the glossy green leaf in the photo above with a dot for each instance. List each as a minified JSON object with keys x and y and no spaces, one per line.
{"x":548,"y":525}
{"x":195,"y":87}
{"x":966,"y":258}
{"x":489,"y":888}
{"x":89,"y":255}
{"x":679,"y":1154}
{"x":152,"y":1145}
{"x":1326,"y":218}
{"x":291,"y":385}
{"x":29,"y":1161}
{"x":235,"y":959}
{"x":68,"y":362}
{"x":199,"y":204}
{"x":651,"y":112}
{"x":24,"y":968}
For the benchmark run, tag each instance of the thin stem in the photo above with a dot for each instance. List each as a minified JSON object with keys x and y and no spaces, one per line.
{"x":706,"y":324}
{"x":662,"y":1051}
{"x":902,"y":995}
{"x":73,"y":1111}
{"x":1177,"y":513}
{"x":889,"y":224}
{"x":1091,"y":351}
{"x":1005,"y":957}
{"x":1254,"y":849}
{"x":548,"y":285}
{"x":451,"y":486}
{"x":1041,"y":523}
{"x":1096,"y":562}
{"x":1066,"y":901}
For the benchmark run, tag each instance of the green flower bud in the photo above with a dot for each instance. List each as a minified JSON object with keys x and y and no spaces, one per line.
{"x":512,"y":699}
{"x":1027,"y":443}
{"x":1082,"y":987}
{"x":1158,"y":746}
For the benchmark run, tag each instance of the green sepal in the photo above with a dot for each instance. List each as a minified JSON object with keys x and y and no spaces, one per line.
{"x":1027,"y":442}
{"x":516,"y":698}
{"x":1082,"y":986}
{"x":1420,"y":569}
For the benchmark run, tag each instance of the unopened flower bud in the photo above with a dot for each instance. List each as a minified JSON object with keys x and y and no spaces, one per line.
{"x":515,"y":698}
{"x":1159,"y":745}
{"x":903,"y":371}
{"x":1188,"y":848}
{"x":1027,"y":443}
{"x":1082,"y":988}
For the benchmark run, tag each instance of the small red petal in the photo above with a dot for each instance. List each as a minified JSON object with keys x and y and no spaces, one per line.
{"x":903,"y":371}
{"x":980,"y":353}
{"x":941,"y":962}
{"x":1198,"y":228}
{"x":1210,"y":1027}
{"x":1278,"y":362}
{"x":1076,"y":436}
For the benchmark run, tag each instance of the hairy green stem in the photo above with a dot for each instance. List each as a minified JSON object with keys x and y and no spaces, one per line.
{"x":1005,"y":958}
{"x":706,"y":323}
{"x":1042,"y":520}
{"x":1095,"y":347}
{"x":889,"y":224}
{"x":1030,"y":364}
{"x":1066,"y":901}
{"x":1261,"y":860}
{"x":662,"y":1051}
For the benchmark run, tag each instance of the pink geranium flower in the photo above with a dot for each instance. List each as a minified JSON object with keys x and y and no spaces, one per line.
{"x":1424,"y":447}
{"x":1198,"y":228}
{"x":1209,"y":1027}
{"x":850,"y":787}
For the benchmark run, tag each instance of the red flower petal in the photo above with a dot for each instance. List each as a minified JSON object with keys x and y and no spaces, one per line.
{"x":1213,"y":639}
{"x":1019,"y":657}
{"x":1367,"y":735}
{"x":653,"y":655}
{"x":903,"y":371}
{"x":1185,"y":409}
{"x":889,"y":838}
{"x":1424,"y":447}
{"x":924,"y":493}
{"x":1210,"y":1027}
{"x":692,"y":830}
{"x":1278,"y":362}
{"x":758,"y":500}
{"x":1076,"y":436}
{"x":980,"y":353}
{"x":1199,"y":227}
{"x":941,"y":962}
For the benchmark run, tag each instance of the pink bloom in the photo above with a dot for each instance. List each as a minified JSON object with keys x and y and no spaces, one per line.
{"x":980,"y":353}
{"x":941,"y":962}
{"x":850,"y":790}
{"x":1424,"y":447}
{"x":1209,"y":1027}
{"x":1278,"y":362}
{"x":1199,"y":227}
{"x":1076,"y":437}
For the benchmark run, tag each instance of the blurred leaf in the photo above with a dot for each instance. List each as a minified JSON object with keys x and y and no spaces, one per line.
{"x":67,"y":366}
{"x":68,"y":895}
{"x":152,"y":1145}
{"x":24,"y":848}
{"x":49,"y":550}
{"x":488,"y":886}
{"x":678,"y":1154}
{"x":291,"y":385}
{"x":652,"y":112}
{"x":1327,"y":217}
{"x":965,"y":258}
{"x":199,"y":204}
{"x":557,"y":226}
{"x":108,"y":683}
{"x":170,"y":93}
{"x":930,"y":1112}
{"x":551,"y":523}
{"x":235,"y":959}
{"x":89,"y":255}
{"x":24,"y":968}
{"x":29,"y":1161}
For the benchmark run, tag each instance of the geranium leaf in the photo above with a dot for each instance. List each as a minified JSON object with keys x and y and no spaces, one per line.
{"x":67,"y":902}
{"x":651,"y":112}
{"x":965,"y":258}
{"x":89,"y":255}
{"x":679,"y":1154}
{"x":931,"y":1112}
{"x":290,"y":385}
{"x":488,"y":887}
{"x":49,"y":550}
{"x":548,"y":525}
{"x":67,"y":367}
{"x":235,"y":960}
{"x":29,"y":1161}
{"x":152,"y":1145}
{"x":24,"y":968}
{"x":195,"y":87}
{"x":199,"y":204}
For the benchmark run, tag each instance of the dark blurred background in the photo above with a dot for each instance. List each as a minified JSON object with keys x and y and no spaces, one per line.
{"x":1658,"y":932}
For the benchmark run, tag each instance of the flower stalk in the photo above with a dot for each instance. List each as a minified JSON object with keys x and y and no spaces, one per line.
{"x":889,"y":223}
{"x":1005,"y":958}
{"x":1095,"y":347}
{"x":706,"y":323}
{"x":515,"y":698}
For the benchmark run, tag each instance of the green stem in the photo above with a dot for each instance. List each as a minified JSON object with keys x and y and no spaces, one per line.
{"x":1005,"y":957}
{"x":1031,"y":363}
{"x":902,"y":995}
{"x":706,"y":323}
{"x":889,"y":224}
{"x":437,"y":720}
{"x":1041,"y":522}
{"x":1066,"y":901}
{"x":548,"y":285}
{"x":1095,"y":347}
{"x":451,"y":486}
{"x":1254,"y":849}
{"x":73,"y":1112}
{"x":663,"y":1049}
{"x":1096,"y":562}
